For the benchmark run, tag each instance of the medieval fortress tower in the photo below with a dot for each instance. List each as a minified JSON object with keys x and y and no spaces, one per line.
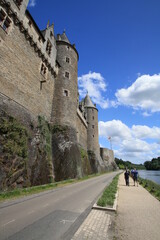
{"x":39,"y":90}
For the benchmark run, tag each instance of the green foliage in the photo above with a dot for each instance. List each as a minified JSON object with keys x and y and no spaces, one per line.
{"x":14,"y":137}
{"x":154,"y":164}
{"x":36,"y":189}
{"x":58,"y":128}
{"x":45,"y":131}
{"x":152,"y":187}
{"x":83,"y":153}
{"x":127,"y":164}
{"x":85,"y":162}
{"x":108,"y":196}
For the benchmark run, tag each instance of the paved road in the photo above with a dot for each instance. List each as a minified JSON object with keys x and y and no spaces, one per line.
{"x":55,"y":214}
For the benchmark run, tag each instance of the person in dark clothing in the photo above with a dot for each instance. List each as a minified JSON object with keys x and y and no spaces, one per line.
{"x":126,"y":176}
{"x":135,"y":176}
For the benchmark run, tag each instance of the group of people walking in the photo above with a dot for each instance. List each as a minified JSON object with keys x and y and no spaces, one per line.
{"x":133,"y":174}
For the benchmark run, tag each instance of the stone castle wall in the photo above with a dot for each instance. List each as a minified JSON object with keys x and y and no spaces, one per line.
{"x":65,"y":95}
{"x":20,"y":77}
{"x":108,"y":158}
{"x":81,"y":130}
{"x":58,"y":133}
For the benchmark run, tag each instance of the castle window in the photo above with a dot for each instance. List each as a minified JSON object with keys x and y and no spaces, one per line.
{"x":93,"y":118}
{"x":92,"y":126}
{"x":68,"y":47}
{"x":51,"y":34}
{"x":5,"y":21}
{"x":93,"y":136}
{"x":18,"y":2}
{"x":43,"y":70}
{"x":67,"y":60}
{"x":65,"y":93}
{"x":2,"y":16}
{"x":67,"y":74}
{"x":49,"y":48}
{"x":39,"y":39}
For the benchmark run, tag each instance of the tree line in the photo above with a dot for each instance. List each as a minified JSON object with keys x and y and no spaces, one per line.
{"x":154,"y":164}
{"x":127,"y":164}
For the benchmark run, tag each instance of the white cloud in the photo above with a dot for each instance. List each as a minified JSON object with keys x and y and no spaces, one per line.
{"x":144,"y":132}
{"x":115,"y":129}
{"x":96,"y":86}
{"x":142,"y":94}
{"x":32,"y":3}
{"x":136,"y":144}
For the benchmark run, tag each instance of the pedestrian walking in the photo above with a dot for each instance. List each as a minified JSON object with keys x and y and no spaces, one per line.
{"x":126,"y":177}
{"x":135,"y":176}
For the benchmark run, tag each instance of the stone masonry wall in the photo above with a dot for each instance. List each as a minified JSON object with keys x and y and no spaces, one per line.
{"x":81,"y":132}
{"x":65,"y":107}
{"x":20,"y":77}
{"x":92,"y":119}
{"x":108,"y":158}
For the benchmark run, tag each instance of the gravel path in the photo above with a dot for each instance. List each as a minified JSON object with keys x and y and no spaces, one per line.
{"x":138,"y":215}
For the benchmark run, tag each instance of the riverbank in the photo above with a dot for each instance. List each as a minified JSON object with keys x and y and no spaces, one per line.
{"x":138,"y":213}
{"x":151,"y":187}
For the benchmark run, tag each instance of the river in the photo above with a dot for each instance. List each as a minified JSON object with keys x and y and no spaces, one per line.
{"x":151,"y":175}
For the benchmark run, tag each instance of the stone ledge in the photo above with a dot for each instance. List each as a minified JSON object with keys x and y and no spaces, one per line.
{"x":110,"y":209}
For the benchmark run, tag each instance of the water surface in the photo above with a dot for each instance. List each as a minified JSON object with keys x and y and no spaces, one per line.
{"x":150,"y":174}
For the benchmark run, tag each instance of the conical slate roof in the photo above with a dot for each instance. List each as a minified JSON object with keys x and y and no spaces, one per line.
{"x":64,"y":37}
{"x":88,"y":102}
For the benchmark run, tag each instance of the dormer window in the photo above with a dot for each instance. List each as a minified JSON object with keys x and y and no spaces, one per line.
{"x":18,"y":2}
{"x":67,"y":74}
{"x":67,"y":60}
{"x":43,"y":70}
{"x":51,"y":34}
{"x":30,"y":23}
{"x":5,"y":21}
{"x":39,"y":39}
{"x":48,"y":47}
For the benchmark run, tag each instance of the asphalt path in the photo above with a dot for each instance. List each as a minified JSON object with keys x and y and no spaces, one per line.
{"x":55,"y":214}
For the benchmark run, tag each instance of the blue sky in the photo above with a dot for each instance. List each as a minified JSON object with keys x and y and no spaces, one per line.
{"x":119,"y":47}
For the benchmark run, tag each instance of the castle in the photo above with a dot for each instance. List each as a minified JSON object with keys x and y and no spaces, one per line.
{"x":39,"y":90}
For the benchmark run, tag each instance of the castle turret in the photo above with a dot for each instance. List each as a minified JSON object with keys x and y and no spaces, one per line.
{"x":65,"y":97}
{"x":92,"y":120}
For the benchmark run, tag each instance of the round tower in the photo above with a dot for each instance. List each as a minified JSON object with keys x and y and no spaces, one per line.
{"x":92,"y":120}
{"x":65,"y":93}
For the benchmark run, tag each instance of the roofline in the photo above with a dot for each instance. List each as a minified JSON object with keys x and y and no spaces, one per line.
{"x":66,"y":43}
{"x":37,"y":28}
{"x":91,"y":107}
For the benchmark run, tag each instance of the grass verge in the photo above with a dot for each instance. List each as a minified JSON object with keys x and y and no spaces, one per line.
{"x":151,"y":187}
{"x":108,"y":196}
{"x":5,"y":195}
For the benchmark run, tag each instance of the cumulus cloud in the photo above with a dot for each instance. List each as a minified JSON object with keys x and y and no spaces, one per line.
{"x":115,"y":129}
{"x":32,"y":3}
{"x":144,"y":132}
{"x":137,"y":144}
{"x":95,"y":85}
{"x":142,"y":94}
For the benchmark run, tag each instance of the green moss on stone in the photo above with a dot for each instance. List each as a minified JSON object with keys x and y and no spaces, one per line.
{"x":14,"y":137}
{"x":45,"y":131}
